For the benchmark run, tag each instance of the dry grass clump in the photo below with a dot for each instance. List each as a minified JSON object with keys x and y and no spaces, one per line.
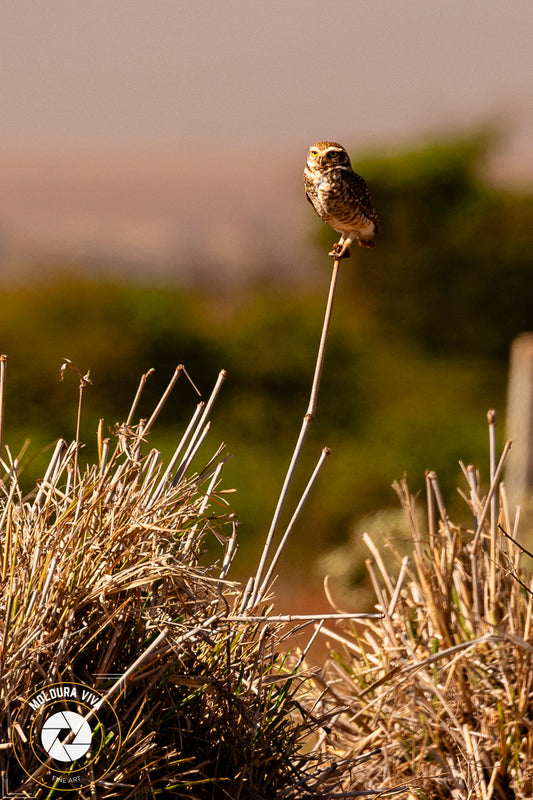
{"x":102,"y":585}
{"x":439,"y":692}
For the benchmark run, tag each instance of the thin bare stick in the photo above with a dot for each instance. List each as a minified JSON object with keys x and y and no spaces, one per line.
{"x":150,"y":465}
{"x":231,"y":550}
{"x":59,"y":452}
{"x":323,"y":341}
{"x":3,"y":366}
{"x":290,"y":527}
{"x":267,"y":618}
{"x":191,"y":453}
{"x":493,"y":487}
{"x":106,"y":443}
{"x":135,"y":450}
{"x":84,"y":380}
{"x":83,"y":383}
{"x":348,"y":643}
{"x":246,"y":595}
{"x":379,"y":561}
{"x":200,"y":429}
{"x":440,"y":503}
{"x":222,"y":375}
{"x":406,"y":563}
{"x":308,"y":418}
{"x":494,"y":502}
{"x":203,"y":505}
{"x":137,"y":397}
{"x":432,"y":526}
{"x":177,"y":372}
{"x":306,"y":649}
{"x":177,"y":453}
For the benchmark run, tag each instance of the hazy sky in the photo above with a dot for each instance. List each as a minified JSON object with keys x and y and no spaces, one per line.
{"x":250,"y":71}
{"x":154,"y":130}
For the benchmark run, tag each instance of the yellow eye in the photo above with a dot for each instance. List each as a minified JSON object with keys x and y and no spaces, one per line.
{"x":313,"y":153}
{"x":333,"y":154}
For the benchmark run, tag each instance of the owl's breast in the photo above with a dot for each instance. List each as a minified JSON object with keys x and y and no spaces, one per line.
{"x":320,"y":192}
{"x":323,"y":187}
{"x":324,"y":195}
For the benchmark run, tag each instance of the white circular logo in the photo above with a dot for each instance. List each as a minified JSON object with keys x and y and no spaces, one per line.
{"x":66,"y":736}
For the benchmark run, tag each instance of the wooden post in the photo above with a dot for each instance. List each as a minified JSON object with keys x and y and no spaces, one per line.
{"x":519,"y":470}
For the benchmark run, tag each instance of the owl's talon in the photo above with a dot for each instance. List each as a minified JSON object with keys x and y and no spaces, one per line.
{"x":339,"y":251}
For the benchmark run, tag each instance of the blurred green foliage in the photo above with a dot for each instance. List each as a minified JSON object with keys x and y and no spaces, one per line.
{"x":417,"y":351}
{"x":455,"y":256}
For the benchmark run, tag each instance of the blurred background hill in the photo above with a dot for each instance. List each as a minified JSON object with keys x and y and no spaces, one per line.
{"x":152,"y":213}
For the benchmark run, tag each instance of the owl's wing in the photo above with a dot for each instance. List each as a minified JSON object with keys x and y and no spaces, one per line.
{"x":307,"y":187}
{"x":361,"y":197}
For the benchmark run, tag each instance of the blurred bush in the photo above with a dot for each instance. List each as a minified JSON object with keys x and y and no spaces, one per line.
{"x":417,"y":352}
{"x":455,"y":257}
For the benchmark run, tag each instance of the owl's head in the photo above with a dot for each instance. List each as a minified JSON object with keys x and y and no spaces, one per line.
{"x":326,"y":155}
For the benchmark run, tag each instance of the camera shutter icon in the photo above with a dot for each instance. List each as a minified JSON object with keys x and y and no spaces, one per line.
{"x":66,"y":736}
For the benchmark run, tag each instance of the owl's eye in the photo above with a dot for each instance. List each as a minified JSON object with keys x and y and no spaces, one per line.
{"x":333,"y":154}
{"x":313,"y":153}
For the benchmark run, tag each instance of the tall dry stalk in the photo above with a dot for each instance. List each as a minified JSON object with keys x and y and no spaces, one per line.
{"x":259,"y":584}
{"x":3,"y":368}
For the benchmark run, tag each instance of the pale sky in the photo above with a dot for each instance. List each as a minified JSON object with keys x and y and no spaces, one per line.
{"x":142,"y":72}
{"x":164,"y":131}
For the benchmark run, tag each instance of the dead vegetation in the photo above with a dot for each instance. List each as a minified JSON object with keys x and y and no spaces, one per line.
{"x":102,"y":584}
{"x":439,"y":691}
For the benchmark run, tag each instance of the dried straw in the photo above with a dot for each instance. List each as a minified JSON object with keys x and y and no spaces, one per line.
{"x":102,"y":583}
{"x":441,"y":688}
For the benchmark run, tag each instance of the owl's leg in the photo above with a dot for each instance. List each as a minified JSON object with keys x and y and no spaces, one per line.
{"x":341,"y":248}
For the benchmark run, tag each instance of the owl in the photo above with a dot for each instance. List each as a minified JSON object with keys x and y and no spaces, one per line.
{"x":340,"y":197}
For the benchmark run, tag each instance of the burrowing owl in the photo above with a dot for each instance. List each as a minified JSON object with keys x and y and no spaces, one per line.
{"x":340,"y":196}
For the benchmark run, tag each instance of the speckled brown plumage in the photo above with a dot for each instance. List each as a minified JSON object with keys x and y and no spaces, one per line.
{"x":340,"y":196}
